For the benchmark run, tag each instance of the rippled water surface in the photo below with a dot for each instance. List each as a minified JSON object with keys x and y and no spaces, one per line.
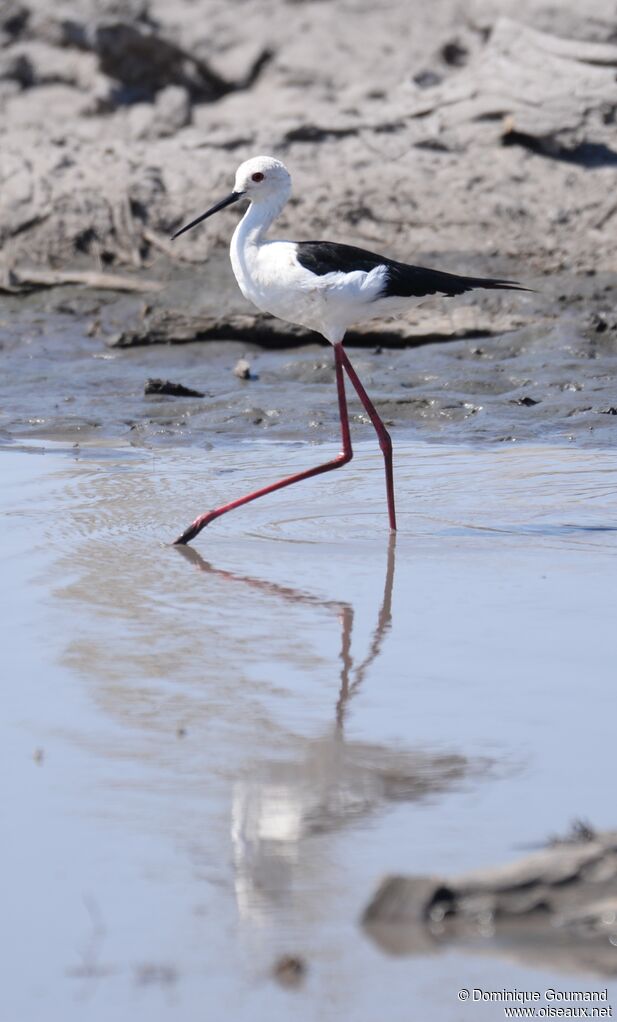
{"x":212,"y":756}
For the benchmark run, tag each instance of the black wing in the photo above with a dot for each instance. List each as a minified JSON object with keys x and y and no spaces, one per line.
{"x":402,"y":280}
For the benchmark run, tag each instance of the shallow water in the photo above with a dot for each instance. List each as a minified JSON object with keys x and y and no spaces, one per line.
{"x":212,"y":756}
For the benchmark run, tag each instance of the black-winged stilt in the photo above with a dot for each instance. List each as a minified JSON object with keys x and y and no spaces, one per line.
{"x":323,"y":286}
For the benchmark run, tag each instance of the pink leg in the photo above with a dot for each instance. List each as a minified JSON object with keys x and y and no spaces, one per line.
{"x":342,"y":459}
{"x":384,"y":437}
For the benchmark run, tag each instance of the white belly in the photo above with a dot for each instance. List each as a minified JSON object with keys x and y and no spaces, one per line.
{"x":270,"y":277}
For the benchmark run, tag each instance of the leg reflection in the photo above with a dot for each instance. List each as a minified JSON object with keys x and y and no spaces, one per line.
{"x":351,"y":677}
{"x":284,"y":806}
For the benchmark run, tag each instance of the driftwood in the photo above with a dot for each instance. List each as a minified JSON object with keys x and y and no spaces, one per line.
{"x":558,"y":904}
{"x":174,"y":327}
{"x":19,"y":281}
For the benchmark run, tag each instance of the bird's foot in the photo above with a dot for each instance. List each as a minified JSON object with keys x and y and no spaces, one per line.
{"x":193,"y":530}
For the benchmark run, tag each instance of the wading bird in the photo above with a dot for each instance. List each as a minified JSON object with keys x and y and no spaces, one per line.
{"x":326,"y":287}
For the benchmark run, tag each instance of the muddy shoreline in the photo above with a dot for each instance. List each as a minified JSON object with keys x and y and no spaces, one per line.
{"x":76,"y":363}
{"x":479,"y":140}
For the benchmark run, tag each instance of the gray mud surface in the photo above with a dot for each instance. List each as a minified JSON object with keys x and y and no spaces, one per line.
{"x":485,"y":128}
{"x":480,"y":138}
{"x":68,"y":375}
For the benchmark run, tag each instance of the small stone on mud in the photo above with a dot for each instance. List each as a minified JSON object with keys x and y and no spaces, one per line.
{"x":599,"y":323}
{"x":167,"y":387}
{"x":427,"y":79}
{"x":242,"y":369}
{"x":289,"y":971}
{"x":527,"y":402}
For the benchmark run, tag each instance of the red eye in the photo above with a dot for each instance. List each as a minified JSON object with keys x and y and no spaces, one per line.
{"x":257,"y":177}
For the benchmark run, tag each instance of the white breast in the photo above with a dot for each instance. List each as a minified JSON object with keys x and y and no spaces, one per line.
{"x":270,"y":276}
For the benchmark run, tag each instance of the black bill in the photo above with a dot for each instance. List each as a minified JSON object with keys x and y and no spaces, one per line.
{"x":220,"y":205}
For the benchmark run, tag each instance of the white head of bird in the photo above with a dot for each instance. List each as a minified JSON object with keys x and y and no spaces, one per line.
{"x":263,"y":179}
{"x":266,"y":182}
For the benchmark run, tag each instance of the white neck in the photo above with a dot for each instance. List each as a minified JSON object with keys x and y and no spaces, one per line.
{"x":257,"y":220}
{"x":248,"y":238}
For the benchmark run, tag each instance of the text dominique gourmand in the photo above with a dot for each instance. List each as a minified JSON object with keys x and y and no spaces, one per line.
{"x":549,"y":1003}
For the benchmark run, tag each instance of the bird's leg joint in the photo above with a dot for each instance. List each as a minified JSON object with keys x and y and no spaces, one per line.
{"x":385,"y":442}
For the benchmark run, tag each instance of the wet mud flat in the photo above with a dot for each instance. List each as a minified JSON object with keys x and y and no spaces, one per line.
{"x":216,"y":755}
{"x":76,"y":363}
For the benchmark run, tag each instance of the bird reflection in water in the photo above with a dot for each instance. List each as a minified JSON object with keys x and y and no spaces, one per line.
{"x":282,"y":805}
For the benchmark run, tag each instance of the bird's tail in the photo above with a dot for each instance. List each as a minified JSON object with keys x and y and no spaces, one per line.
{"x":494,"y":284}
{"x":409,"y":281}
